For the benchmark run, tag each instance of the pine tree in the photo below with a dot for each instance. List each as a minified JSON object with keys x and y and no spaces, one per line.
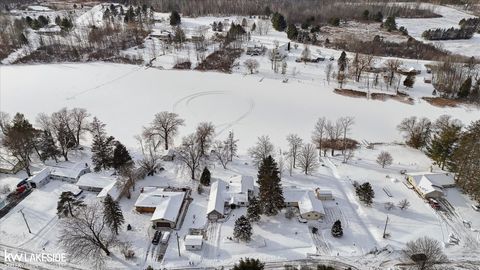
{"x":409,"y":81}
{"x":465,"y":88}
{"x":67,"y":203}
{"x":378,"y":17}
{"x":271,"y":193}
{"x":278,"y":22}
{"x":113,"y":214}
{"x":102,"y":146}
{"x":249,"y":264}
{"x":47,"y":147}
{"x":175,"y":18}
{"x":390,"y":23}
{"x":292,"y":31}
{"x":443,"y":143}
{"x":121,"y":156}
{"x":243,"y":229}
{"x":231,"y":144}
{"x":342,"y":62}
{"x":254,"y":210}
{"x":205,"y":178}
{"x":254,"y":26}
{"x":337,"y":230}
{"x":365,"y":193}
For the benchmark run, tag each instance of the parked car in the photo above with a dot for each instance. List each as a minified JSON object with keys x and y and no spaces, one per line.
{"x":165,"y":237}
{"x":433,"y":203}
{"x":476,"y":207}
{"x":156,"y":238}
{"x":302,"y":220}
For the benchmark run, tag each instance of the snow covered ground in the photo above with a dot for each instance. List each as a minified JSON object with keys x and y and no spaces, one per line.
{"x":450,"y":18}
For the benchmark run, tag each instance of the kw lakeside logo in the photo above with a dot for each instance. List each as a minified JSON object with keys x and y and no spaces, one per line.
{"x":26,"y":257}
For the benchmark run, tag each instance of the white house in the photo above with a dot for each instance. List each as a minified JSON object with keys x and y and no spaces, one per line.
{"x":40,"y":179}
{"x":216,"y":201}
{"x":310,"y":206}
{"x":165,"y":206}
{"x":71,"y":174}
{"x":95,"y":182}
{"x":193,"y":242}
{"x":111,"y":189}
{"x":431,"y":185}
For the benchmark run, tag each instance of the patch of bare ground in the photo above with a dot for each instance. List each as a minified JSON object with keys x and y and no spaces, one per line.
{"x":401,"y":97}
{"x":443,"y":102}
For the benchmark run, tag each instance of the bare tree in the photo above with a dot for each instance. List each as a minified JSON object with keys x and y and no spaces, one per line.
{"x":221,"y":153}
{"x":86,"y":237}
{"x":294,"y":143}
{"x":190,"y":154}
{"x":403,"y":204}
{"x":416,"y":131}
{"x":384,"y":159}
{"x":231,"y":144}
{"x":80,"y":125}
{"x":151,"y":160}
{"x":319,"y":134}
{"x":308,"y":160}
{"x":204,"y":135}
{"x":328,"y":71}
{"x":163,"y":129}
{"x":306,"y":54}
{"x":334,"y":131}
{"x":261,"y":150}
{"x":346,"y":123}
{"x":425,"y":252}
{"x":252,"y":65}
{"x":360,"y":63}
{"x":392,"y":66}
{"x":61,"y":128}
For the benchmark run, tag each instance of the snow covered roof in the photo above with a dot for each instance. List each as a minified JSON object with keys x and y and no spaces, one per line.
{"x":40,"y":176}
{"x":240,"y":184}
{"x":95,"y":180}
{"x":112,"y":189}
{"x":193,"y":240}
{"x":435,"y":179}
{"x":293,"y":194}
{"x":310,"y":203}
{"x":71,"y":172}
{"x":216,"y":201}
{"x":167,"y":203}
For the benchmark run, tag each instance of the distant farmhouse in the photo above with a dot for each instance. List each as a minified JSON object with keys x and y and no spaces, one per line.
{"x":431,"y":185}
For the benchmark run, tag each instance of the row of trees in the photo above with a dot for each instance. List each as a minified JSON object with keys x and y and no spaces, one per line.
{"x":449,"y":145}
{"x":448,"y":34}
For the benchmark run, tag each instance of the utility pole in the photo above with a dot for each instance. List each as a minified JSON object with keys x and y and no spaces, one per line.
{"x":385,"y":229}
{"x":26,"y":223}
{"x":178,"y":245}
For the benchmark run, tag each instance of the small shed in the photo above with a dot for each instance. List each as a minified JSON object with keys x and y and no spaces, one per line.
{"x":323,"y":194}
{"x":193,"y":242}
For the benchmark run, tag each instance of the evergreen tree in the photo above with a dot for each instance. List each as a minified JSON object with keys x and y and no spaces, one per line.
{"x":67,"y":203}
{"x":342,"y":62}
{"x":390,"y":23}
{"x":249,"y":264}
{"x":378,"y":17}
{"x":175,"y":18}
{"x":465,"y":88}
{"x":271,"y":193}
{"x":254,"y":210}
{"x":365,"y":193}
{"x":231,"y":144}
{"x":120,"y":156}
{"x":443,"y":143}
{"x":243,"y":229}
{"x":205,"y":178}
{"x":102,"y":146}
{"x":47,"y":147}
{"x":278,"y":22}
{"x":409,"y":81}
{"x":466,"y":161}
{"x":337,"y":230}
{"x":113,"y":214}
{"x":366,"y":14}
{"x":292,"y":31}
{"x":254,"y":26}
